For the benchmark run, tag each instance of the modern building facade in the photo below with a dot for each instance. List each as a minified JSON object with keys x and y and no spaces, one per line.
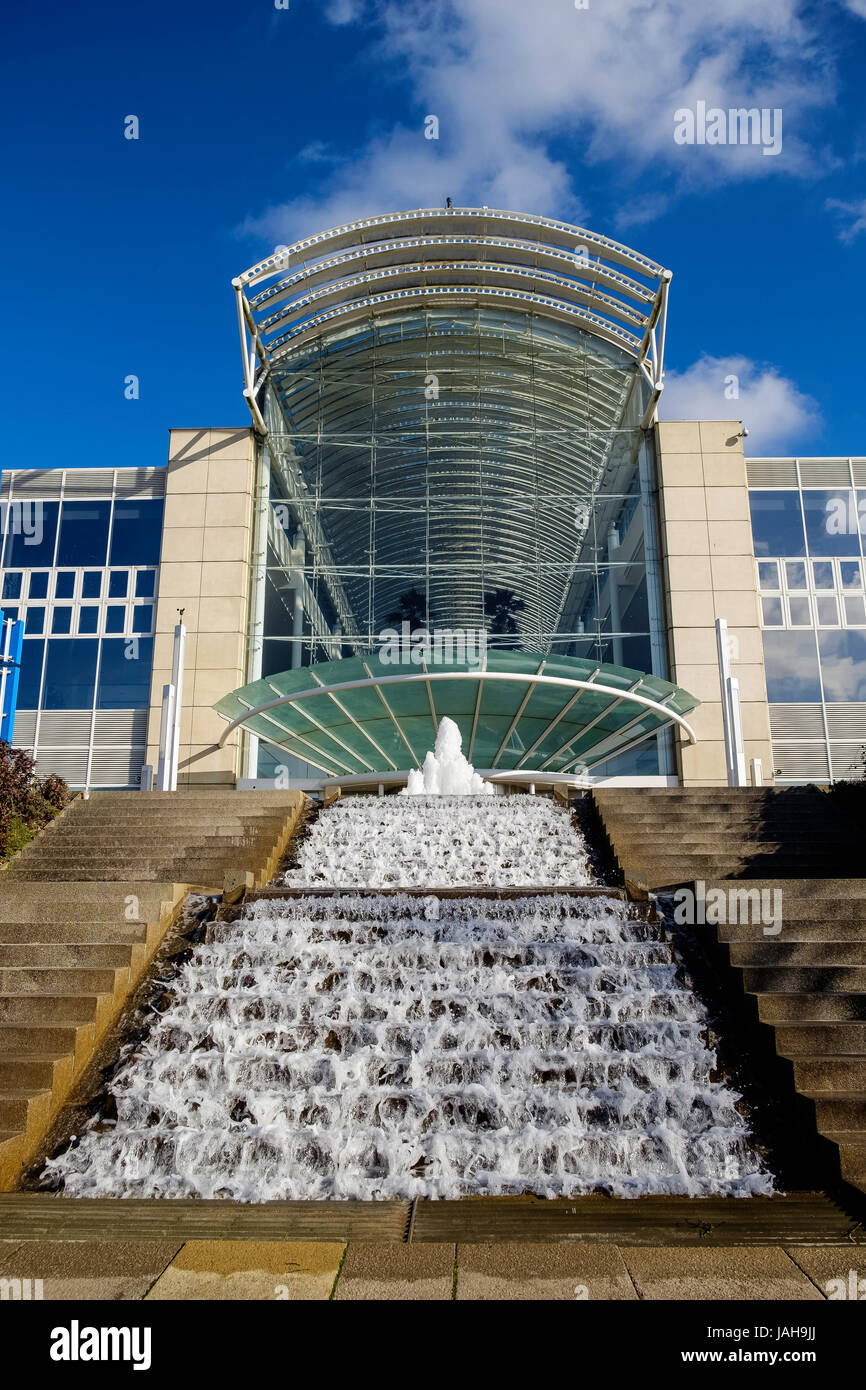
{"x":454,"y":497}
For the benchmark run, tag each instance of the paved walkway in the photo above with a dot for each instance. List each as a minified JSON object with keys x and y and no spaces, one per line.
{"x":200,"y":1269}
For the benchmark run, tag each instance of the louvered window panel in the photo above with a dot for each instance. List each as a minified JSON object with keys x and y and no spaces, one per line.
{"x":771,"y":472}
{"x":37,"y":482}
{"x":858,"y":469}
{"x":848,"y":760}
{"x":140,"y":482}
{"x":89,"y":482}
{"x":116,"y":767}
{"x":796,"y":721}
{"x":847,"y":721}
{"x":25,"y":728}
{"x":120,"y":727}
{"x":801,"y":762}
{"x":64,"y":727}
{"x":70,"y":763}
{"x":825,"y":473}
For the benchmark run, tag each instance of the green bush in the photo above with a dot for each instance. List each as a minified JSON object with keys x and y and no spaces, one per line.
{"x":850,"y":796}
{"x":26,"y":802}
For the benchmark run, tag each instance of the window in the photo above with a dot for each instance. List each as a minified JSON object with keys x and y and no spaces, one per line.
{"x":31,"y":674}
{"x":70,"y":673}
{"x":83,"y":533}
{"x":851,"y":574}
{"x":115,"y":618}
{"x":118,"y":583}
{"x":136,"y":535}
{"x":91,"y":584}
{"x":855,"y":610}
{"x":801,"y":612}
{"x":791,"y":662}
{"x":38,"y":586}
{"x":832,"y":524}
{"x":30,"y":529}
{"x":777,"y":523}
{"x":124,"y":673}
{"x":61,"y":618}
{"x":771,"y":609}
{"x":822,"y":574}
{"x":11,"y":586}
{"x":35,"y":620}
{"x":843,"y":664}
{"x":828,"y":611}
{"x":88,"y":618}
{"x":145,"y":582}
{"x":768,"y":574}
{"x":65,"y":585}
{"x":795,"y":574}
{"x":142,"y":617}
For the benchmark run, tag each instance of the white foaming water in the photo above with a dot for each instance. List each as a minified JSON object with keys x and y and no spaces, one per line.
{"x":446,"y":772}
{"x":396,"y":1047}
{"x":441,"y":842}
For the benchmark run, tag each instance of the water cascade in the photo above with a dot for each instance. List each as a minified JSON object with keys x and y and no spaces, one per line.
{"x":403,"y":1045}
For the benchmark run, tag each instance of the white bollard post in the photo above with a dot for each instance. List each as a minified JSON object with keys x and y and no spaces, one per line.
{"x":166,"y":735}
{"x":756,"y":770}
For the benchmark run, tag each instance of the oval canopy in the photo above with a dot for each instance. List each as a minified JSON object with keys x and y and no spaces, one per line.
{"x":518,"y":712}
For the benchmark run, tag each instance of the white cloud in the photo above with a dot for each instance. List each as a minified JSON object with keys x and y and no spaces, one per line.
{"x":856,"y":7}
{"x":344,"y":11}
{"x":507,"y":77}
{"x":777,"y":414}
{"x":853,"y":213}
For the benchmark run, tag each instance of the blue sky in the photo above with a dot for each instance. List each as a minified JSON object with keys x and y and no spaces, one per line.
{"x":259,"y":124}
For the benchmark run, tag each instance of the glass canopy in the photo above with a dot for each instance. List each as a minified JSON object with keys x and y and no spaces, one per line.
{"x":362,"y":717}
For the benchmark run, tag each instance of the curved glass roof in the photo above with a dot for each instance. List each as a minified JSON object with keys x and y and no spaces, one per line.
{"x":361,"y":717}
{"x":477,"y":373}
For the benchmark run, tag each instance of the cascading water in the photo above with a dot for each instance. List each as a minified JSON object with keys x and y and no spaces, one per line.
{"x":351,"y":1046}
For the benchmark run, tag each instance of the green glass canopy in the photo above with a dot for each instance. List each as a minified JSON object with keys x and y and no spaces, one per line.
{"x":519,"y":713}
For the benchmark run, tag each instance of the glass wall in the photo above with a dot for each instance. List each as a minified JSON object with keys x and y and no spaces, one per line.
{"x":487,"y":471}
{"x":81,"y":572}
{"x":811,"y":573}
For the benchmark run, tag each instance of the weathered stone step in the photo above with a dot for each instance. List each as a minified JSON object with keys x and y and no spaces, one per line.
{"x":852,"y":1153}
{"x":792,"y":980}
{"x":781,"y":951}
{"x":833,"y":1111}
{"x":826,"y":919}
{"x":110,"y":933}
{"x":14,"y":1105}
{"x":54,"y":899}
{"x":39,"y":955}
{"x":69,"y":980}
{"x":32,"y":1071}
{"x":806,"y":1007}
{"x":41,"y":1039}
{"x":821,"y":1039}
{"x":806,"y":888}
{"x":27,"y":1009}
{"x":839,"y":1075}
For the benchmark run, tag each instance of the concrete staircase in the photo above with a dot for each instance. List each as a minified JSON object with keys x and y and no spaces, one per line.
{"x":83,"y":909}
{"x":808,"y":980}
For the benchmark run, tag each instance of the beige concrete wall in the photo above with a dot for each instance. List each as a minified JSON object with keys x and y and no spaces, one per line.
{"x":710,"y":573}
{"x":204,"y":569}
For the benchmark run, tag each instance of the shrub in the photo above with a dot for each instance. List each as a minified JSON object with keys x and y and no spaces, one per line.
{"x":26,"y":802}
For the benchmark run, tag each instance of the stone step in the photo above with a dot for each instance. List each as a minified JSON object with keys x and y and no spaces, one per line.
{"x":839,"y":1075}
{"x":100,"y":934}
{"x":64,"y":980}
{"x":95,"y":842}
{"x":807,"y":888}
{"x":41,"y":1039}
{"x":798,"y":1007}
{"x":824,"y":920}
{"x":852,"y":1153}
{"x":833,"y":1111}
{"x":781,"y":951}
{"x":793,"y":980}
{"x":15,"y":1105}
{"x":39,"y":955}
{"x":821,"y":1039}
{"x":32,"y":1071}
{"x":22,"y":901}
{"x":67,"y":1009}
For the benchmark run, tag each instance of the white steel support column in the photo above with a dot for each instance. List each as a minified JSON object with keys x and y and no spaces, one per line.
{"x":177,"y":665}
{"x":735,"y":757}
{"x":166,"y":736}
{"x":613,"y":594}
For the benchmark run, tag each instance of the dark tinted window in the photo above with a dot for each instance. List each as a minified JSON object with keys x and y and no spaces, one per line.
{"x":777,"y":523}
{"x":843,"y":664}
{"x":12,"y":586}
{"x":65,"y":585}
{"x":791,"y":661}
{"x":124,"y":673}
{"x":31,"y":674}
{"x":38,"y":586}
{"x":137,"y":532}
{"x":83,"y":533}
{"x":30,"y":529}
{"x":832,"y":524}
{"x":70,"y":673}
